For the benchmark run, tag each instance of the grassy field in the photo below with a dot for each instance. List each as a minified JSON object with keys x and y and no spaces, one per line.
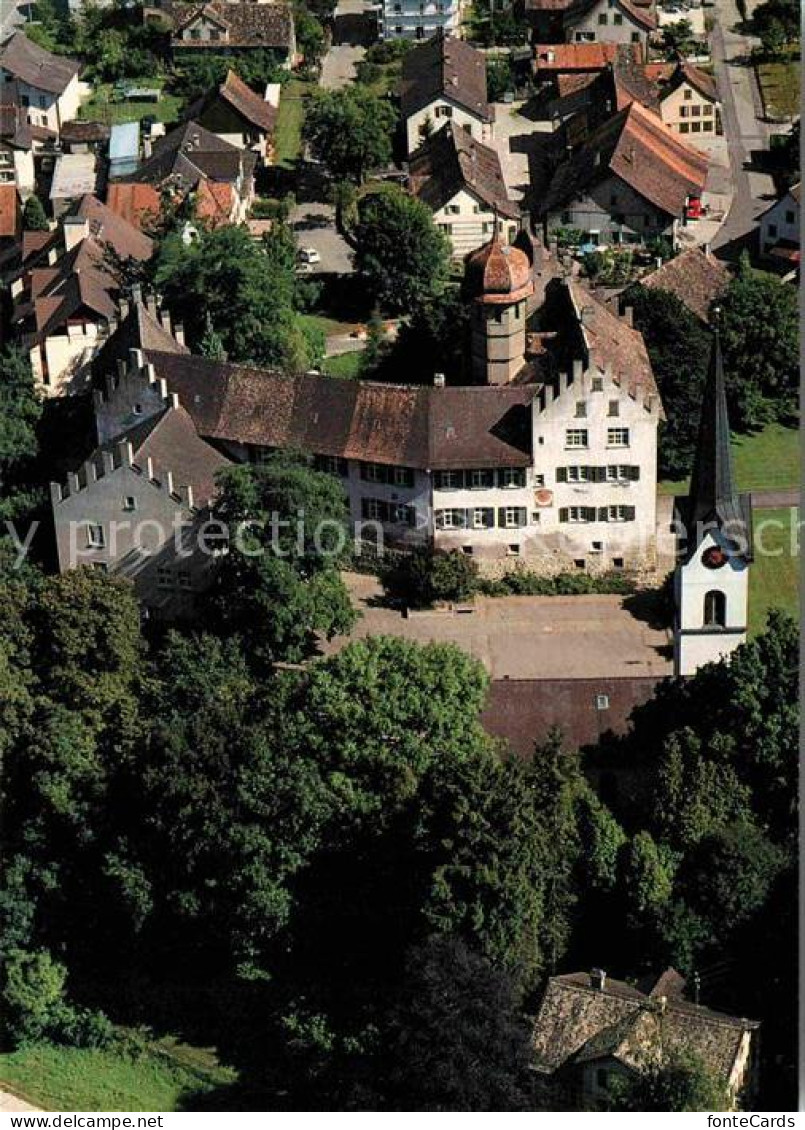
{"x":768,"y":460}
{"x":330,"y":327}
{"x":289,"y":121}
{"x":773,"y":581}
{"x":346,"y":365}
{"x":101,"y":107}
{"x":60,"y":1078}
{"x":779,"y":88}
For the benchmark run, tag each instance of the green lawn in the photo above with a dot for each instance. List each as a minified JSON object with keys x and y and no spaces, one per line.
{"x":779,"y":88}
{"x":768,"y":460}
{"x":346,"y":365}
{"x":101,"y":107}
{"x":330,"y":327}
{"x":773,"y":581}
{"x":289,"y":121}
{"x":61,"y":1078}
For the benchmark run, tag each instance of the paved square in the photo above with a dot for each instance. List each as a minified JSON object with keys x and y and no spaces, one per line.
{"x":526,"y":637}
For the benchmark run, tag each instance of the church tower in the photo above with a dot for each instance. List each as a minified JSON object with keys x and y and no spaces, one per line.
{"x":497,"y":283}
{"x":714,"y":547}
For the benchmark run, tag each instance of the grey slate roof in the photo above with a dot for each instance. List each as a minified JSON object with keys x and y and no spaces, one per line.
{"x":27,"y":61}
{"x":445,"y":67}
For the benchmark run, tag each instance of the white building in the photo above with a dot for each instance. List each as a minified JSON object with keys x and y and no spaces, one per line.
{"x":418,"y":19}
{"x":715,"y":542}
{"x":444,"y":80}
{"x":779,"y":229}
{"x":46,"y":85}
{"x":461,"y":181}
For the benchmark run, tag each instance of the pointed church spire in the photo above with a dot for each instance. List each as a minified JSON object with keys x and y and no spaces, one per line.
{"x":712,"y":486}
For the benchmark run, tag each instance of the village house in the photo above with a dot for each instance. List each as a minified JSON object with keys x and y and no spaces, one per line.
{"x":20,"y":143}
{"x":190,"y":159}
{"x":230,"y":27}
{"x":610,"y":21}
{"x":591,"y":1030}
{"x":65,"y":297}
{"x":549,"y":457}
{"x":695,"y":276}
{"x":85,"y":137}
{"x":46,"y":85}
{"x":444,"y":80}
{"x":236,"y":114}
{"x":75,"y":175}
{"x":630,"y":181}
{"x":688,"y":100}
{"x":461,"y":181}
{"x":779,"y":230}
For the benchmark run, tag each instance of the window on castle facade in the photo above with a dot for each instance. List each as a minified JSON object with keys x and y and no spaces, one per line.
{"x":576,"y":437}
{"x":95,"y":536}
{"x":617,"y":437}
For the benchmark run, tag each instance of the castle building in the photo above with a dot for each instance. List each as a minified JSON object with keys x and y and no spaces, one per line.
{"x":548,"y":458}
{"x":715,"y":541}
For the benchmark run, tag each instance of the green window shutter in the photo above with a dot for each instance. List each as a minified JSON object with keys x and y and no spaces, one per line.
{"x":561,"y":474}
{"x":502,"y":517}
{"x":630,"y":513}
{"x":634,"y":474}
{"x":562,"y":513}
{"x":601,"y":474}
{"x":522,"y":515}
{"x":603,"y":514}
{"x":489,"y":517}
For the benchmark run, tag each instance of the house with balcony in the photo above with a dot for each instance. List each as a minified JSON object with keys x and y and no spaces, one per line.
{"x":418,"y":19}
{"x":444,"y":80}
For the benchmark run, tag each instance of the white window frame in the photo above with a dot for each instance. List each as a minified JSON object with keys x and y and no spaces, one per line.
{"x":618,"y":437}
{"x":578,"y":438}
{"x":96,"y":536}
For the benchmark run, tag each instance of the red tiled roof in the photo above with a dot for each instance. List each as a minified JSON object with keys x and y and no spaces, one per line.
{"x":9,"y":211}
{"x":574,"y":56}
{"x":635,"y":146}
{"x":214,"y":201}
{"x":135,"y":203}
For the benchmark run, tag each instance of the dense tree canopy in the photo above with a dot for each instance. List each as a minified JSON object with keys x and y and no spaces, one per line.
{"x":403,"y":256}
{"x":246,"y":290}
{"x":350,"y":131}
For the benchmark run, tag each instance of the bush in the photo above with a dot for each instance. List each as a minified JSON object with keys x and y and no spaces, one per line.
{"x":568,"y":237}
{"x":388,"y":52}
{"x":368,"y":73}
{"x":523,"y":583}
{"x":33,"y":215}
{"x":34,"y":1007}
{"x":425,"y":576}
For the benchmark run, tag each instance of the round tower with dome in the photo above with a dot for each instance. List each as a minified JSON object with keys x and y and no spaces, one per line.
{"x":497,"y":283}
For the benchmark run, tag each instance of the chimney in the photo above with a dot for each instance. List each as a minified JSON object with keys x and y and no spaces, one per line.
{"x":178,"y":333}
{"x":147,"y":149}
{"x":76,"y":230}
{"x":438,"y":380}
{"x":598,"y":979}
{"x":628,"y":316}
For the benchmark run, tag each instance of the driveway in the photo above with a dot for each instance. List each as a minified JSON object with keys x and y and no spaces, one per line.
{"x":743,"y":127}
{"x":519,"y":139}
{"x":353,"y":30}
{"x":314,"y":226}
{"x":526,"y":637}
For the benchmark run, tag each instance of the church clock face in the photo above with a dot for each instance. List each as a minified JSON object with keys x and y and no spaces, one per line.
{"x":714,"y":557}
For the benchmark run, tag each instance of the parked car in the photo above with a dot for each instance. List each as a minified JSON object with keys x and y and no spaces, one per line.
{"x":309,"y":255}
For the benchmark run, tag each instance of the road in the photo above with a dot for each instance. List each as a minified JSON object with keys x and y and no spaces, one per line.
{"x":747,"y":133}
{"x":352,"y":32}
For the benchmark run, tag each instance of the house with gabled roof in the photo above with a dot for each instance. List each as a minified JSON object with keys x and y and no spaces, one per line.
{"x":461,"y":181}
{"x":65,"y":297}
{"x":233,"y":27}
{"x":444,"y":80}
{"x":591,"y":1029}
{"x":630,"y":181}
{"x":193,"y":160}
{"x":779,"y":230}
{"x":609,"y":21}
{"x":46,"y":86}
{"x":695,"y":276}
{"x":237,"y":114}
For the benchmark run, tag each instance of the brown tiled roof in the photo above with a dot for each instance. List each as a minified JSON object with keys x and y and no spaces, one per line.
{"x":452,"y":160}
{"x":555,"y":57}
{"x":249,"y":105}
{"x":191,"y":152}
{"x":393,"y":424}
{"x":171,"y":441}
{"x":9,"y":211}
{"x":77,"y":131}
{"x":573,"y":83}
{"x":695,"y":278}
{"x":640,"y":13}
{"x":524,"y":711}
{"x":139,"y":329}
{"x":701,"y":80}
{"x":248,"y":24}
{"x":32,"y":64}
{"x":577,"y":1022}
{"x":635,"y":146}
{"x":135,"y":203}
{"x":632,"y":82}
{"x":445,"y":67}
{"x":107,"y":227}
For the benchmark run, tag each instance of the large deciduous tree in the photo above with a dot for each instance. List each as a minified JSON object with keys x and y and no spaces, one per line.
{"x":350,"y":131}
